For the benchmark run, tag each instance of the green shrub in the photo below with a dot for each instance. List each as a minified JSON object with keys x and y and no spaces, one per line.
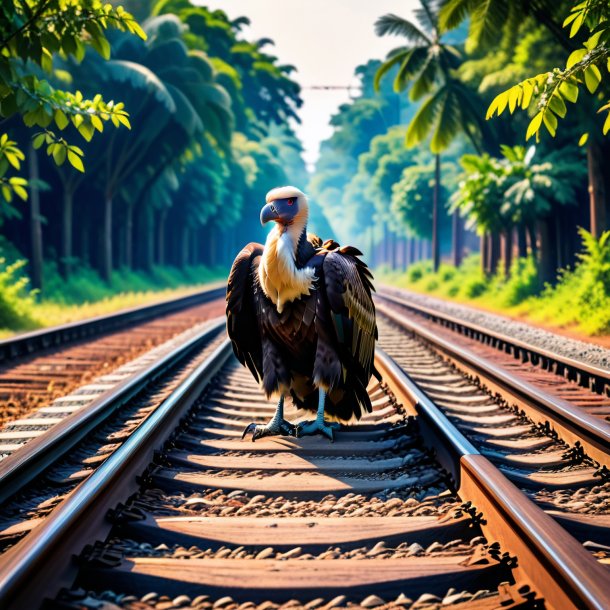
{"x":17,"y":301}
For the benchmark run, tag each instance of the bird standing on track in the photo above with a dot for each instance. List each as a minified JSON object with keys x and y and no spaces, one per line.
{"x":301,"y":317}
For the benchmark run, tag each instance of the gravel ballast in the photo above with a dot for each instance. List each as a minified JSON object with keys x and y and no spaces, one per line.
{"x":589,"y":353}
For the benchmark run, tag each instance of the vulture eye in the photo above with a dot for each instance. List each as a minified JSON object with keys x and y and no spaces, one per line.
{"x":291,"y":201}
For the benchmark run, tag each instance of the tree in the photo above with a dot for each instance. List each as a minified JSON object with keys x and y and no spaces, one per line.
{"x":427,"y":65}
{"x":31,"y":31}
{"x":498,"y":195}
{"x":548,"y":94}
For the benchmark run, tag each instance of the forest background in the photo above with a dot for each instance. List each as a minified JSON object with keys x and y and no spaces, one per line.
{"x":136,"y":157}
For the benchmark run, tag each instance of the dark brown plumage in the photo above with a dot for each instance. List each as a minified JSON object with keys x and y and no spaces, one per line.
{"x":326,"y":338}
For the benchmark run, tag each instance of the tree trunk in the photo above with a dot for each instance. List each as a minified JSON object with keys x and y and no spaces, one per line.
{"x":149,"y":240}
{"x":412,"y":251}
{"x":494,"y":252}
{"x":548,"y":252}
{"x":386,"y":243}
{"x":484,"y":253}
{"x":457,"y":239}
{"x":161,"y":238}
{"x":597,"y":164}
{"x":66,"y":245}
{"x":507,"y":251}
{"x":129,"y":258}
{"x":435,"y":213}
{"x":394,"y":252}
{"x":521,"y":240}
{"x":107,"y":239}
{"x":184,"y":247}
{"x":531,"y":229}
{"x":35,"y":223}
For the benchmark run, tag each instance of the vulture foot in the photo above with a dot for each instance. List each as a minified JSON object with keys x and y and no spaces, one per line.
{"x":273,"y":428}
{"x":278,"y":426}
{"x":317,"y":426}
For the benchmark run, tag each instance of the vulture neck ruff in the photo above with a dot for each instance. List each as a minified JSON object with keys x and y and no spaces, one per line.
{"x":280,"y":278}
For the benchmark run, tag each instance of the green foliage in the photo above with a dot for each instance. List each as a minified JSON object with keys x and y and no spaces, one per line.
{"x":548,"y":94}
{"x":17,"y":301}
{"x":498,"y":193}
{"x":427,"y":64}
{"x":580,"y":298}
{"x":31,"y":32}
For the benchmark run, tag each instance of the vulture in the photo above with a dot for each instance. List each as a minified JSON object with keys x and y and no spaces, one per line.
{"x":300,"y":316}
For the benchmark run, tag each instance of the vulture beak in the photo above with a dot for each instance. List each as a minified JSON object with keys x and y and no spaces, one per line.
{"x":269,"y":212}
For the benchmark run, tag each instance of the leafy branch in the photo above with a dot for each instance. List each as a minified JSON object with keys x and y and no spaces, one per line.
{"x":549,"y":92}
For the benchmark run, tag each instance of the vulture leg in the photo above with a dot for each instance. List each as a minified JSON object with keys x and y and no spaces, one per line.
{"x":277,"y":426}
{"x":318,"y":425}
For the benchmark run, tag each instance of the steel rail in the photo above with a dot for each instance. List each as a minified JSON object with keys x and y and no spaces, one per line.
{"x":586,"y":375}
{"x":553,"y":562}
{"x":31,"y":342}
{"x":27,"y":463}
{"x":570,"y":422}
{"x":45,"y":556}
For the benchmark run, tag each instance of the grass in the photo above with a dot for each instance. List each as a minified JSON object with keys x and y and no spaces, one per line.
{"x":580,"y":300}
{"x":85,"y":294}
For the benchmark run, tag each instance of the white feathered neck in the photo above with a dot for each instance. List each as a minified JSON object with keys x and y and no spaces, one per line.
{"x":280,"y":279}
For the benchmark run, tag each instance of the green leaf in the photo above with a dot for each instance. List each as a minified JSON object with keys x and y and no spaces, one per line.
{"x":514,"y":94}
{"x":592,"y":78}
{"x":569,"y":91}
{"x":575,"y":57}
{"x":583,"y":139}
{"x":550,"y":121}
{"x":20,"y":192}
{"x":61,"y":120}
{"x":86,"y":130}
{"x":76,"y":161}
{"x":606,"y":127}
{"x":12,"y":159}
{"x":7,"y":193}
{"x":528,"y":90}
{"x":497,"y":105}
{"x":97,"y":123}
{"x":59,"y":154}
{"x":534,"y":126}
{"x":576,"y":24}
{"x":124,"y":120}
{"x":38,"y":140}
{"x":558,"y":105}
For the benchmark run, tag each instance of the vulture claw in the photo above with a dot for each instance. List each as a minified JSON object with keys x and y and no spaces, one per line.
{"x":283,"y":428}
{"x":309,"y":428}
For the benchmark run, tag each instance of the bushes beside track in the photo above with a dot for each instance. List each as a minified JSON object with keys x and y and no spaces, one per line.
{"x":580,"y":299}
{"x":85,"y":294}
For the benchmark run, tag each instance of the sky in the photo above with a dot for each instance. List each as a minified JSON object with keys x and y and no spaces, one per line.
{"x":325,"y":40}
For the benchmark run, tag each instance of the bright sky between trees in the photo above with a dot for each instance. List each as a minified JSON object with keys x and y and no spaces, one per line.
{"x":325,"y":40}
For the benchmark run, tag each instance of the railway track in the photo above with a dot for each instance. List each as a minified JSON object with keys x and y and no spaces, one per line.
{"x":566,"y":378}
{"x":49,"y":374}
{"x":412,"y":507}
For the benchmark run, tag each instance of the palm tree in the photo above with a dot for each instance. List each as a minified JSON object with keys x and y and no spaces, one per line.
{"x":428,"y":65}
{"x":173,"y":100}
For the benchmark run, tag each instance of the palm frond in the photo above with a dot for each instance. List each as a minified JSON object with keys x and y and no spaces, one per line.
{"x":423,"y":122}
{"x":411,"y":65}
{"x":425,"y":80}
{"x":394,"y":25}
{"x":487,"y":23}
{"x":448,"y":123}
{"x":138,"y":77}
{"x":427,"y":14}
{"x":453,"y":13}
{"x":384,"y":68}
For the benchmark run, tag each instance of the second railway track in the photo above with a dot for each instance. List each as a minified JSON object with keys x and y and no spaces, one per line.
{"x":48,"y":374}
{"x":401,"y":511}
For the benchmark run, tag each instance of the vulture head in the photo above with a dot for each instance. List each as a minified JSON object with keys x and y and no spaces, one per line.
{"x":287,"y":206}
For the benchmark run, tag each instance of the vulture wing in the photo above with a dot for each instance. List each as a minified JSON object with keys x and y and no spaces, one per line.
{"x":242,"y":321}
{"x":348,"y":290}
